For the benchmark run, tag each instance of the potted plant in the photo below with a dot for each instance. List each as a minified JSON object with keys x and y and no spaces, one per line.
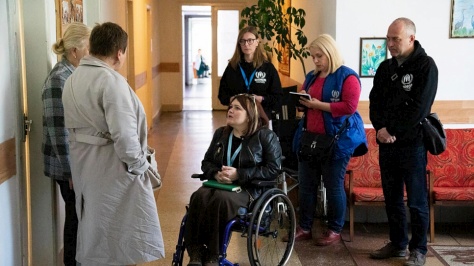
{"x":274,"y":24}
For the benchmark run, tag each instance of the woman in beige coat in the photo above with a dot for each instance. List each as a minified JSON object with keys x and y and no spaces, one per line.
{"x":113,"y":180}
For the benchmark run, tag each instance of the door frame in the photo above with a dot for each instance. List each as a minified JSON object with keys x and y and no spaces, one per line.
{"x":215,"y":7}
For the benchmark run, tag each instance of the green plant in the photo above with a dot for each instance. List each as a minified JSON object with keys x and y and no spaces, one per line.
{"x":274,"y":24}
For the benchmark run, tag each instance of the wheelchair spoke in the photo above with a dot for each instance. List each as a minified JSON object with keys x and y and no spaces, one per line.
{"x":276,"y":220}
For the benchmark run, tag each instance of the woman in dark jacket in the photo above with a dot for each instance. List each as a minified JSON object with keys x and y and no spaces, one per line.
{"x":250,"y":71}
{"x":239,"y":152}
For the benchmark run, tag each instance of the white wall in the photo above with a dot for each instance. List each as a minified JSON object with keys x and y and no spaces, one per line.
{"x":10,"y":240}
{"x":371,"y":18}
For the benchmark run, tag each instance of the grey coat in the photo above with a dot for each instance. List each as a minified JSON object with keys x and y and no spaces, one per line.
{"x":118,"y":218}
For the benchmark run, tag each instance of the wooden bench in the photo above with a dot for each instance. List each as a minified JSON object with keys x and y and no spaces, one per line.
{"x":451,"y":174}
{"x":363,"y":185}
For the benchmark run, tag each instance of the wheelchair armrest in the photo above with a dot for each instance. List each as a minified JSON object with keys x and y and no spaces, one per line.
{"x":264,"y":183}
{"x":289,"y":171}
{"x":200,"y":176}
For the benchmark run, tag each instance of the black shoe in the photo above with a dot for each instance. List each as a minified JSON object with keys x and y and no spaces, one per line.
{"x":388,"y":251}
{"x":415,"y":259}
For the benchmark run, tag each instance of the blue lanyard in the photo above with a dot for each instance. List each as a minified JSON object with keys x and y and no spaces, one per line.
{"x":247,"y":82}
{"x":230,"y":160}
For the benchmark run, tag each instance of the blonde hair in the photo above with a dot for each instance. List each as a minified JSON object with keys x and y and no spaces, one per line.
{"x":259,"y":56}
{"x":328,"y":46}
{"x":76,"y":36}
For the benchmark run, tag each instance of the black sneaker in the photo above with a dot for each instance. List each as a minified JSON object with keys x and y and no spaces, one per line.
{"x":388,"y":251}
{"x":415,"y":259}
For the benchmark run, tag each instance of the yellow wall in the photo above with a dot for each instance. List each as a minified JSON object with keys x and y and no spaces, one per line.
{"x":140,"y":54}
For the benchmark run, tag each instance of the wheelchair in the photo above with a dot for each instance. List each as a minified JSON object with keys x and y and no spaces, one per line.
{"x":263,"y":224}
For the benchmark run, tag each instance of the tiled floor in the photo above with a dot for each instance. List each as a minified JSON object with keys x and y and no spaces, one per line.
{"x":197,"y":96}
{"x":181,"y":139}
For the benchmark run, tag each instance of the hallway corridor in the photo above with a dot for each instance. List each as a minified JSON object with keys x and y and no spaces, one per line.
{"x":182,"y":138}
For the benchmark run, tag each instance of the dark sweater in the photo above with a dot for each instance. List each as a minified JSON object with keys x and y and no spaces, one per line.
{"x":402,"y":96}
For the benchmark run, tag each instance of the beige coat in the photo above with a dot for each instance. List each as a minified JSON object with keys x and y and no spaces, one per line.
{"x":118,"y":218}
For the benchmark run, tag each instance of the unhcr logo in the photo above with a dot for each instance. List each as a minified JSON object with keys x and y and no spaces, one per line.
{"x":260,"y":77}
{"x":407,"y":82}
{"x":335,"y":96}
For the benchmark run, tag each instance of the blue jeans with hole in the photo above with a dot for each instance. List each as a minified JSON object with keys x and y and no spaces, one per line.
{"x":309,"y":175}
{"x":399,"y":167}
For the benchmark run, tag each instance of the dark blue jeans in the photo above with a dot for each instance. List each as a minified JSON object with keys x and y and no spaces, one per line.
{"x":399,"y":167}
{"x":333,"y":176}
{"x":70,"y":223}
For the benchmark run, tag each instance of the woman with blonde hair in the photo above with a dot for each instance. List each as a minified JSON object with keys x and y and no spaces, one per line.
{"x":71,"y":47}
{"x":250,"y":71}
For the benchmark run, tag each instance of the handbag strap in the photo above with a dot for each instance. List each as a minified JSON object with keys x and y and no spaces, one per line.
{"x":343,"y":127}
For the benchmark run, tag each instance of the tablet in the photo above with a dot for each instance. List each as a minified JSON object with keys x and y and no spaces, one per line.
{"x":295,"y":98}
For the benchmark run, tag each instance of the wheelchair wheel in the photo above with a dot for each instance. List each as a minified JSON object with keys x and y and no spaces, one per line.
{"x":180,"y":246}
{"x":273,"y":217}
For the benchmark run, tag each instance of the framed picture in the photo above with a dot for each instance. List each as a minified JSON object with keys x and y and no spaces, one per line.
{"x":373,"y":51}
{"x":462,"y":19}
{"x":68,"y":11}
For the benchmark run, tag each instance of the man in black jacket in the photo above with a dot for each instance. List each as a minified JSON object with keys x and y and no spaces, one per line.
{"x":402,"y":95}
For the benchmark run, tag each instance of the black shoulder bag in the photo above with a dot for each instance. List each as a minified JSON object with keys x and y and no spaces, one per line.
{"x":434,"y":135}
{"x":319,"y":146}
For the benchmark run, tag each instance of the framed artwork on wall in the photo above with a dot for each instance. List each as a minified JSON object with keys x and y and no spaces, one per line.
{"x":462,"y":19}
{"x":68,"y":11}
{"x":373,"y":51}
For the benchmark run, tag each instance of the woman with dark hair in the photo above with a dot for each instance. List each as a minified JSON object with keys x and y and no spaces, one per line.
{"x":250,"y":71}
{"x":113,"y":175}
{"x":239,"y":152}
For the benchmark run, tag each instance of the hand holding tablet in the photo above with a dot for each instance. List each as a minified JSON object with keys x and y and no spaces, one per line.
{"x":295,"y":97}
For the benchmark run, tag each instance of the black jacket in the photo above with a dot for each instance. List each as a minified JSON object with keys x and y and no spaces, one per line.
{"x":266,"y":83}
{"x":402,"y":96}
{"x":259,"y":158}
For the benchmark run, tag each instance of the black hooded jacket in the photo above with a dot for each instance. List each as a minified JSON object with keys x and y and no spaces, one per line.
{"x":402,"y":96}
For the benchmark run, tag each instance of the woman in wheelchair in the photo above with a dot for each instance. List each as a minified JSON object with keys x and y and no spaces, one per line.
{"x":243,"y":150}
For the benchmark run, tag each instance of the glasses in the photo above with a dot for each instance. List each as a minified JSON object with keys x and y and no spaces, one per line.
{"x":248,"y":41}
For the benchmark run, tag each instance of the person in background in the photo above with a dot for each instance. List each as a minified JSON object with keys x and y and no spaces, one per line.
{"x":402,"y":95}
{"x":201,"y":66}
{"x":72,"y":47}
{"x":334,"y":90}
{"x":239,"y":152}
{"x":250,"y":71}
{"x":113,"y":175}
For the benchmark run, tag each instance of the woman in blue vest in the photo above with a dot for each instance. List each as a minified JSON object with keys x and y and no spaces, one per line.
{"x":334,"y":90}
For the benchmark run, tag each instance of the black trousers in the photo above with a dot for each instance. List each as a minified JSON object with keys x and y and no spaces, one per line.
{"x":70,"y":223}
{"x":209,"y":212}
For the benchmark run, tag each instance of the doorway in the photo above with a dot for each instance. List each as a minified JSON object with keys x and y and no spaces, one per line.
{"x":197,"y":88}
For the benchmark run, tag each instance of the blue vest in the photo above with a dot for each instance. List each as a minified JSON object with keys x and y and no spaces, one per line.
{"x":352,"y":141}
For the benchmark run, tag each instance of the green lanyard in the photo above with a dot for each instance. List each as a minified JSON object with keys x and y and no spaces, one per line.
{"x":230,"y":160}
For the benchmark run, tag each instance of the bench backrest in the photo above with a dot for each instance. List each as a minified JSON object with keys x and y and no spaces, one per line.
{"x":366,"y":168}
{"x":455,"y":166}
